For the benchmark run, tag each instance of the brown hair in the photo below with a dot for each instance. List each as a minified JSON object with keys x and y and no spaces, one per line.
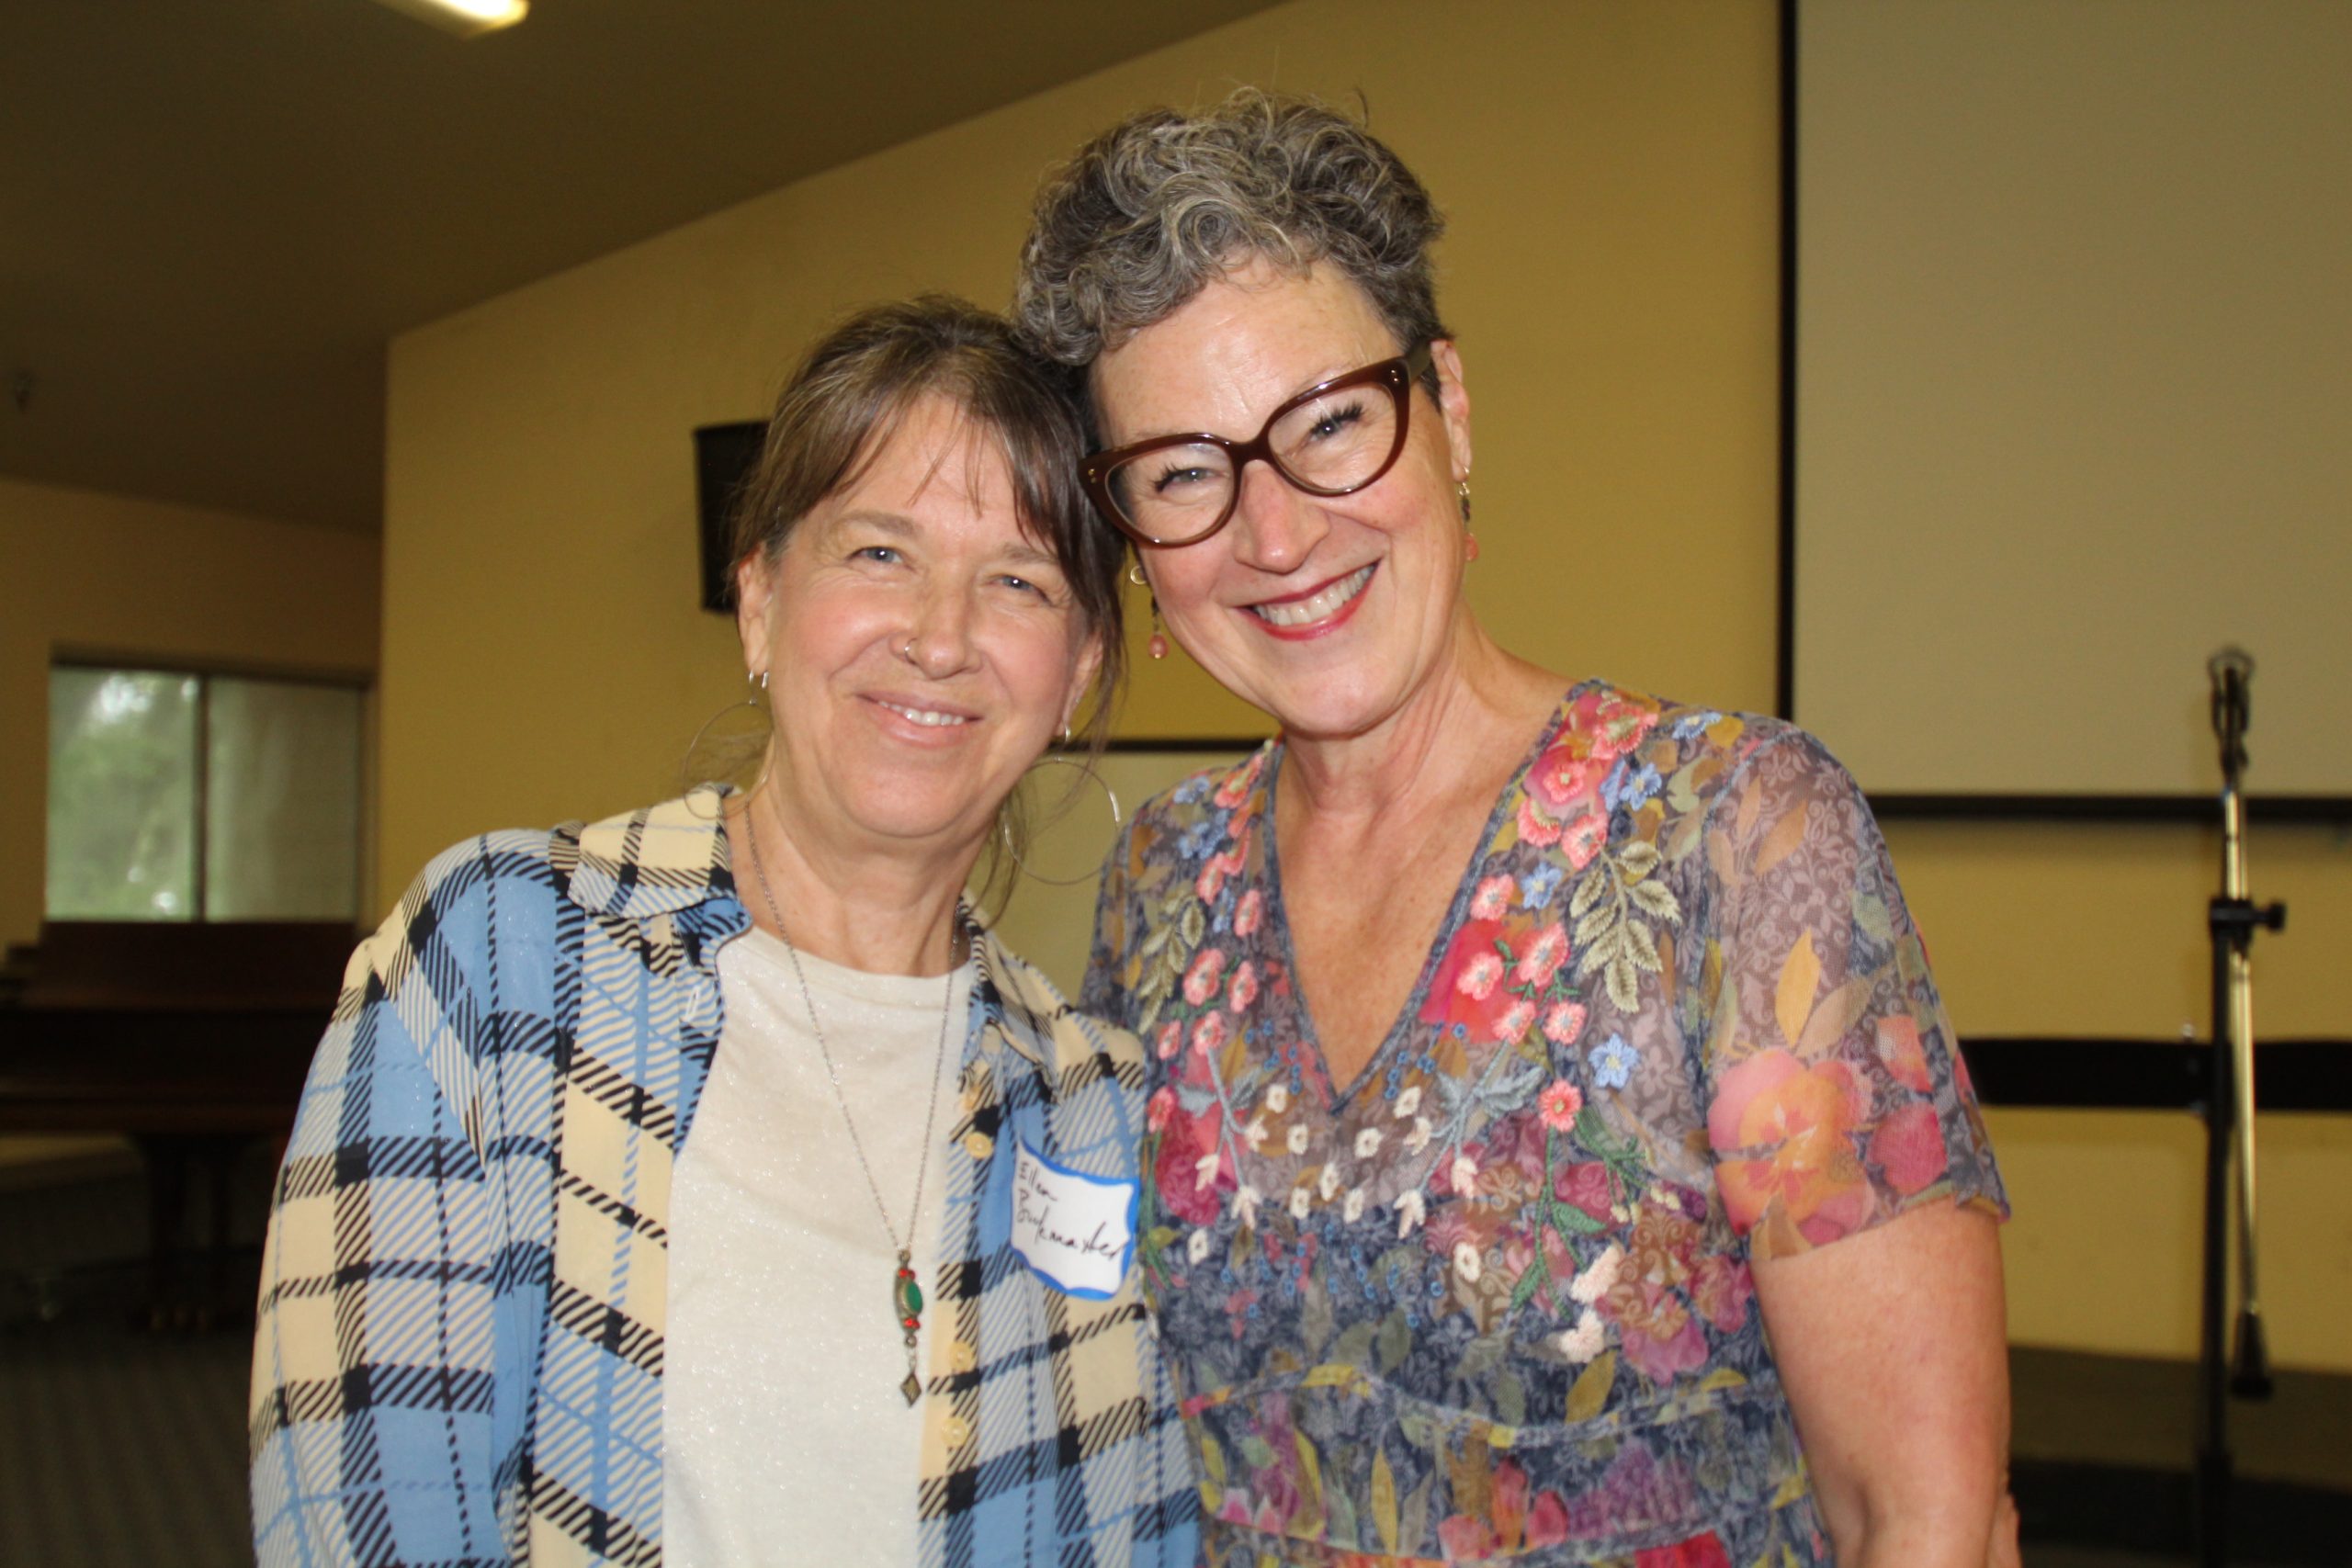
{"x":848,"y":397}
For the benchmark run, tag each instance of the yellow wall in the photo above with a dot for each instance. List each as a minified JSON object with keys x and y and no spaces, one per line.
{"x":83,"y":573}
{"x":1609,"y":173}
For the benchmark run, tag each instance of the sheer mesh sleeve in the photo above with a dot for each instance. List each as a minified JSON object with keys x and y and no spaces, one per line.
{"x":1836,"y":1095}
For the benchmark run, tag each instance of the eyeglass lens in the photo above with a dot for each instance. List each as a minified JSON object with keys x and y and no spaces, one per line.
{"x":1335,"y":442}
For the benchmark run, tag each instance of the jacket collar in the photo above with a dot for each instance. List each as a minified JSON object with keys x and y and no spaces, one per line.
{"x":658,"y":860}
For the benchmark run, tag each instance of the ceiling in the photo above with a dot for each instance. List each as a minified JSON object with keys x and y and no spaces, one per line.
{"x":214,"y":215}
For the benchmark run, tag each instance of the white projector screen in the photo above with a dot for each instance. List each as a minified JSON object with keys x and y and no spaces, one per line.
{"x":2073,"y":409}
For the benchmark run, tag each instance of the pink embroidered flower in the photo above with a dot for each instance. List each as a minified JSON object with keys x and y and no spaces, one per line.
{"x":1155,"y":1115}
{"x":1542,"y":958}
{"x":1244,"y":990}
{"x":1251,"y":909}
{"x":1491,"y":899}
{"x":1534,"y":827}
{"x":1236,"y":787}
{"x":1208,"y":1035}
{"x":1618,"y":725}
{"x":1466,"y":991}
{"x":1201,"y":979}
{"x":1517,"y":1019}
{"x":1583,"y":838}
{"x":1480,"y":976}
{"x":1563,"y":1022}
{"x":1169,"y":1039}
{"x":1560,"y":1101}
{"x":1561,"y":778}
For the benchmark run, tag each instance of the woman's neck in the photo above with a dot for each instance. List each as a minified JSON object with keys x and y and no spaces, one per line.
{"x":884,"y":911}
{"x":1472,"y":714}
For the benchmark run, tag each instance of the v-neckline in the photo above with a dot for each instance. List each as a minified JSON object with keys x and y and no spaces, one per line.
{"x":1278,"y":916}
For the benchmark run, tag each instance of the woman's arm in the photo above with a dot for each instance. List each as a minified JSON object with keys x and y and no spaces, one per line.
{"x":371,"y":1400}
{"x":1892,"y":1350}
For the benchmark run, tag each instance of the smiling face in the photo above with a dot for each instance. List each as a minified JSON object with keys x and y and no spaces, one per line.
{"x":1331,"y":613}
{"x":921,"y":649}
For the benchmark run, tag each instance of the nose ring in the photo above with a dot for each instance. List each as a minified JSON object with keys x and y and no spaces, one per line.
{"x":908,"y":652}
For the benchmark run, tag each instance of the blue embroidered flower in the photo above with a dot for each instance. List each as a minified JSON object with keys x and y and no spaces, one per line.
{"x":1535,"y":888}
{"x":1613,"y":1062}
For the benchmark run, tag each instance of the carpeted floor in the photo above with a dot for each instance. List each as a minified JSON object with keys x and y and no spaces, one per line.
{"x":121,"y":1445}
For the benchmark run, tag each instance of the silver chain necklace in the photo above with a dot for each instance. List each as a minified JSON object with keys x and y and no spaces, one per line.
{"x":906,"y":1294}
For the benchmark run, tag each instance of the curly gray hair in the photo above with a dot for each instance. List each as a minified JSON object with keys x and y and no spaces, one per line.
{"x":1164,"y":203}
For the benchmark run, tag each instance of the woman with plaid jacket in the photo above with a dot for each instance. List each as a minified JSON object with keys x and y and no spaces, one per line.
{"x":510,"y":1314}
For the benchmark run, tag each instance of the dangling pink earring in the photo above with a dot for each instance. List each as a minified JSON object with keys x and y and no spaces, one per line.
{"x":1159,"y":643}
{"x":1469,"y":548}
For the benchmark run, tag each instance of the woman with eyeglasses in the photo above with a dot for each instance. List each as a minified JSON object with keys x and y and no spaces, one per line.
{"x":1557,"y":1149}
{"x":706,"y":1185}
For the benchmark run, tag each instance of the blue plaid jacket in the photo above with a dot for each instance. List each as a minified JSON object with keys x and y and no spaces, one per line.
{"x":459,"y":1351}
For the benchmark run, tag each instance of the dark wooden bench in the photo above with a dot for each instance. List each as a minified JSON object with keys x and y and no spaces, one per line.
{"x":191,"y":1040}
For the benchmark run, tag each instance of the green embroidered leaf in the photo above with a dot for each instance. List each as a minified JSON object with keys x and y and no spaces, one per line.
{"x":1395,"y":1341}
{"x":1637,"y":860}
{"x":1191,"y":925}
{"x":1255,"y":1451}
{"x":1572,"y":1221}
{"x":1593,"y":924}
{"x":1589,"y":1395}
{"x":1354,"y":1345}
{"x":1528,"y":1283}
{"x":1315,"y":1317}
{"x":1640,"y":949}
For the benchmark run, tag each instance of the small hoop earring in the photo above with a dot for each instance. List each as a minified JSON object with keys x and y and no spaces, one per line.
{"x":1004,"y":829}
{"x":1134,"y":573}
{"x":758,"y":678}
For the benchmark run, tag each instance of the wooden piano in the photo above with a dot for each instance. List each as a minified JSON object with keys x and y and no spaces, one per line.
{"x":192,"y":1040}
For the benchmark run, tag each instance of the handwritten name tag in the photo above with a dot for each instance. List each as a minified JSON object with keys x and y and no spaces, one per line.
{"x":1074,"y":1231}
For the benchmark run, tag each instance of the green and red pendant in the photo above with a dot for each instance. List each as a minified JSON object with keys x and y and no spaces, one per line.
{"x":906,"y":1304}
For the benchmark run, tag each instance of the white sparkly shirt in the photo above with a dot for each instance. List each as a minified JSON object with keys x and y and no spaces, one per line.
{"x":786,"y":1436}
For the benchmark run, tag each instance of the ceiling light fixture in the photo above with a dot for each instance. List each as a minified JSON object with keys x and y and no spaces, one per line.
{"x":464,"y":18}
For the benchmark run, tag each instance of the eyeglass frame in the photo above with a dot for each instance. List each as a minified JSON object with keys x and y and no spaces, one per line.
{"x":1397,"y":375}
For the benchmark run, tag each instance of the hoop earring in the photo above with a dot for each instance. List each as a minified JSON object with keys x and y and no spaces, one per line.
{"x":1004,"y":829}
{"x":754,"y":678}
{"x":1134,"y":574}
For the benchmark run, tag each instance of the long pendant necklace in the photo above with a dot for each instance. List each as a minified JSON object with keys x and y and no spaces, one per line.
{"x":906,"y":1292}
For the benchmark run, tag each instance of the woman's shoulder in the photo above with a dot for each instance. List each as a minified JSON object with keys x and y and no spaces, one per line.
{"x":1073,"y":1046}
{"x":1632,"y":747}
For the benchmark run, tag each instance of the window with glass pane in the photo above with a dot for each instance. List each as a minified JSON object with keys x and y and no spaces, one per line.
{"x":121,"y":795}
{"x":182,"y":797}
{"x":281,"y":801}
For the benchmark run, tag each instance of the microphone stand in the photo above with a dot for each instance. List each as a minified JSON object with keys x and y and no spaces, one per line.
{"x":2231,"y":921}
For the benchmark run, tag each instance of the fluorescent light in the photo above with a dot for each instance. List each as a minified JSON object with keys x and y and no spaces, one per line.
{"x":463,"y":17}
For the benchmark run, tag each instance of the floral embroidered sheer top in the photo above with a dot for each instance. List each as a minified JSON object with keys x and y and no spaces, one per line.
{"x":1493,"y":1298}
